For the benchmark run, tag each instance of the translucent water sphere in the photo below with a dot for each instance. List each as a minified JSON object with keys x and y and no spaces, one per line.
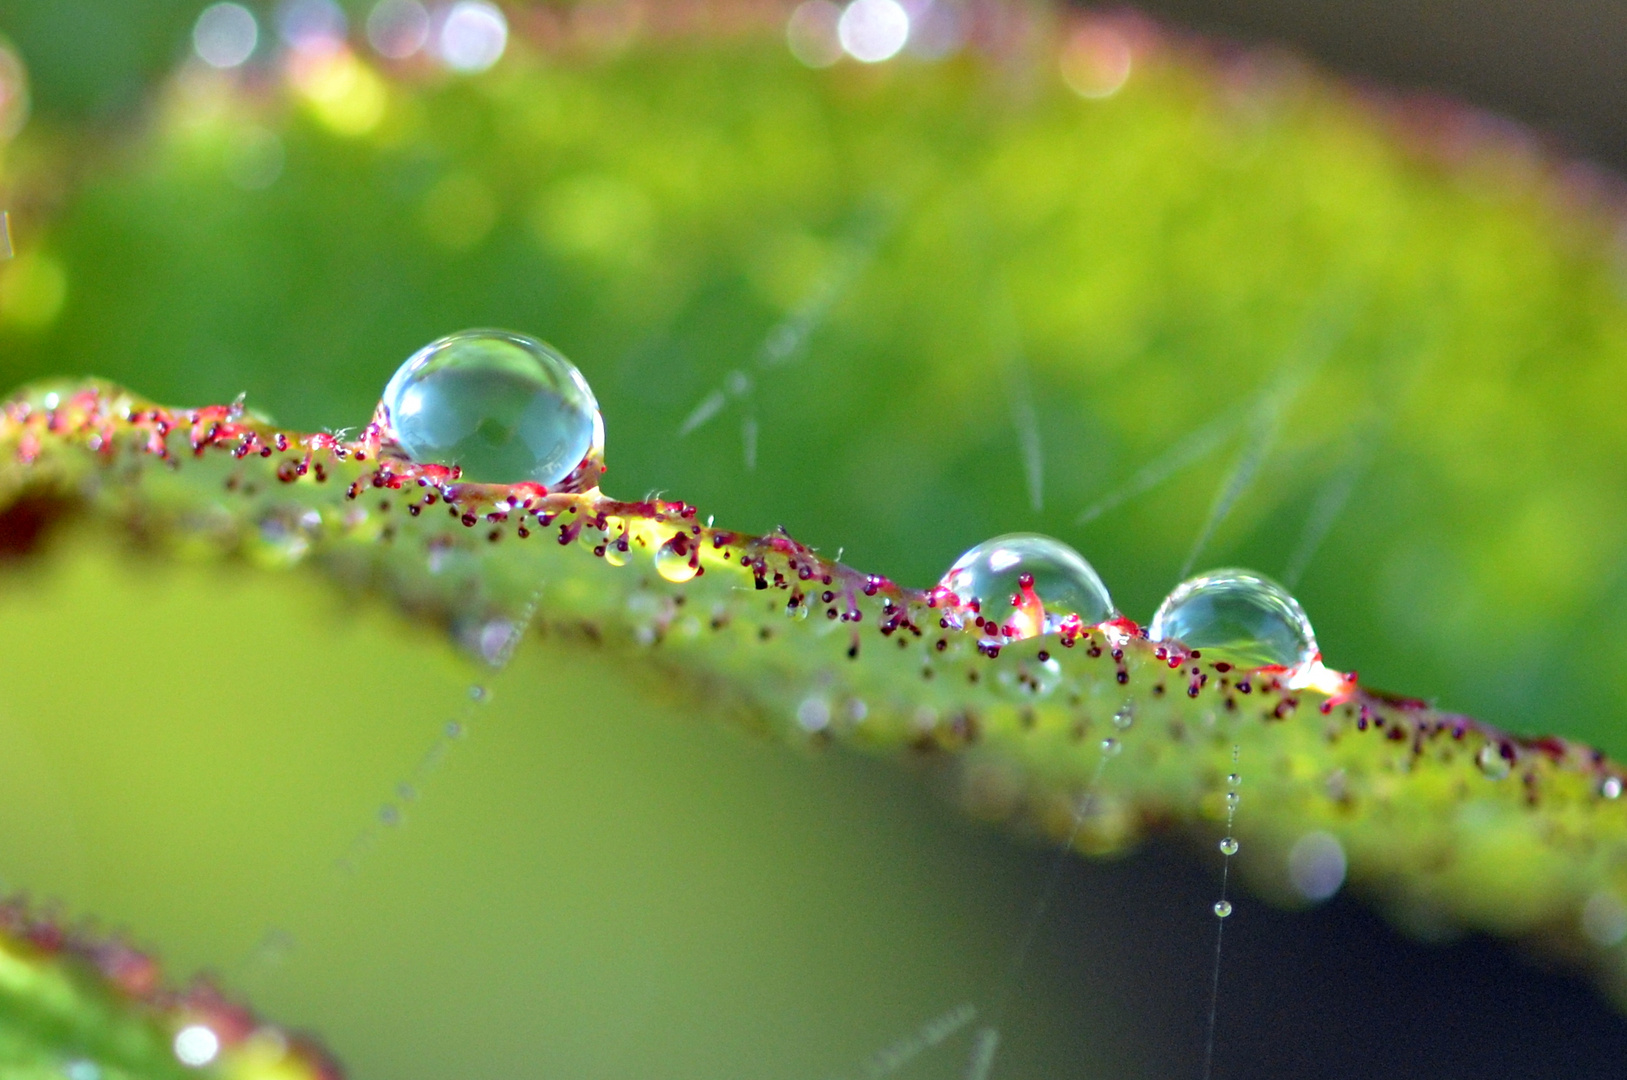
{"x":501,"y":406}
{"x":1236,"y":616}
{"x":1026,"y":584}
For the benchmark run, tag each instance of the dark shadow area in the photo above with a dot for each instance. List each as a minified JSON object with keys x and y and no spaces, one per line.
{"x":1560,"y":65}
{"x":1331,"y":992}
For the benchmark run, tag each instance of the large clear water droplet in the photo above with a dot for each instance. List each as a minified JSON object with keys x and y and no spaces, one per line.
{"x":501,"y":406}
{"x":1236,"y":616}
{"x":1027,"y":584}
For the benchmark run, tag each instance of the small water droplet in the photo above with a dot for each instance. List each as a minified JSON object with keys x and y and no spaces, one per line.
{"x":501,"y":406}
{"x":1125,"y":717}
{"x":675,"y":560}
{"x":1610,"y":787}
{"x":1111,"y":747}
{"x":1028,"y":584}
{"x":813,"y":715}
{"x":1316,"y":865}
{"x":1228,"y":846}
{"x":1492,"y":762}
{"x":1234,"y":780}
{"x":1231,"y":799}
{"x":615,"y":551}
{"x":1223,"y":908}
{"x":1237,"y":616}
{"x":477,"y":693}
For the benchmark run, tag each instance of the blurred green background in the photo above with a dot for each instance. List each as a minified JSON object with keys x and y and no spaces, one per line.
{"x":1050,"y":269}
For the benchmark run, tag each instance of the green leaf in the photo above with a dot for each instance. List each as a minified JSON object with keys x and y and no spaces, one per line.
{"x":1244,"y":316}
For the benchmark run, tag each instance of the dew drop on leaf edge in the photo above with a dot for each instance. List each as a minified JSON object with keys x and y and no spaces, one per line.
{"x":501,"y":406}
{"x":676,"y":560}
{"x":1059,"y":583}
{"x":1237,"y":616}
{"x":1491,"y":761}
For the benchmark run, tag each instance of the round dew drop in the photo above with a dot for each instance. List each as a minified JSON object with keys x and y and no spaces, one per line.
{"x":675,"y":561}
{"x":1237,"y":616}
{"x":1026,"y":584}
{"x":1223,"y":908}
{"x":501,"y":406}
{"x":1228,"y":846}
{"x":1492,"y":762}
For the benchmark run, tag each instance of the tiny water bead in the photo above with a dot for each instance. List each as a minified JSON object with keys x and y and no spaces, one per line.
{"x":1022,"y":585}
{"x":1228,"y":846}
{"x":503,"y":407}
{"x":1223,"y":908}
{"x":678,"y":560}
{"x":1236,"y":616}
{"x":1493,"y":762}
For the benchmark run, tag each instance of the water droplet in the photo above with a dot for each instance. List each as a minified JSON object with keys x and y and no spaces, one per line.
{"x":1232,"y":799}
{"x":615,"y":550}
{"x":1610,"y":787}
{"x":1027,"y":584}
{"x":1111,"y":747}
{"x":813,"y":715}
{"x":1316,"y":865}
{"x":1223,"y":908}
{"x":1228,"y":846}
{"x":676,"y":561}
{"x":1492,"y":762}
{"x":477,"y":693}
{"x":1125,"y":717}
{"x":1234,"y":780}
{"x":1237,"y":616}
{"x":501,"y":406}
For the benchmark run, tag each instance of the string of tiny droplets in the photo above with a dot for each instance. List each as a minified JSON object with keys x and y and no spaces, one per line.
{"x":1223,"y":907}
